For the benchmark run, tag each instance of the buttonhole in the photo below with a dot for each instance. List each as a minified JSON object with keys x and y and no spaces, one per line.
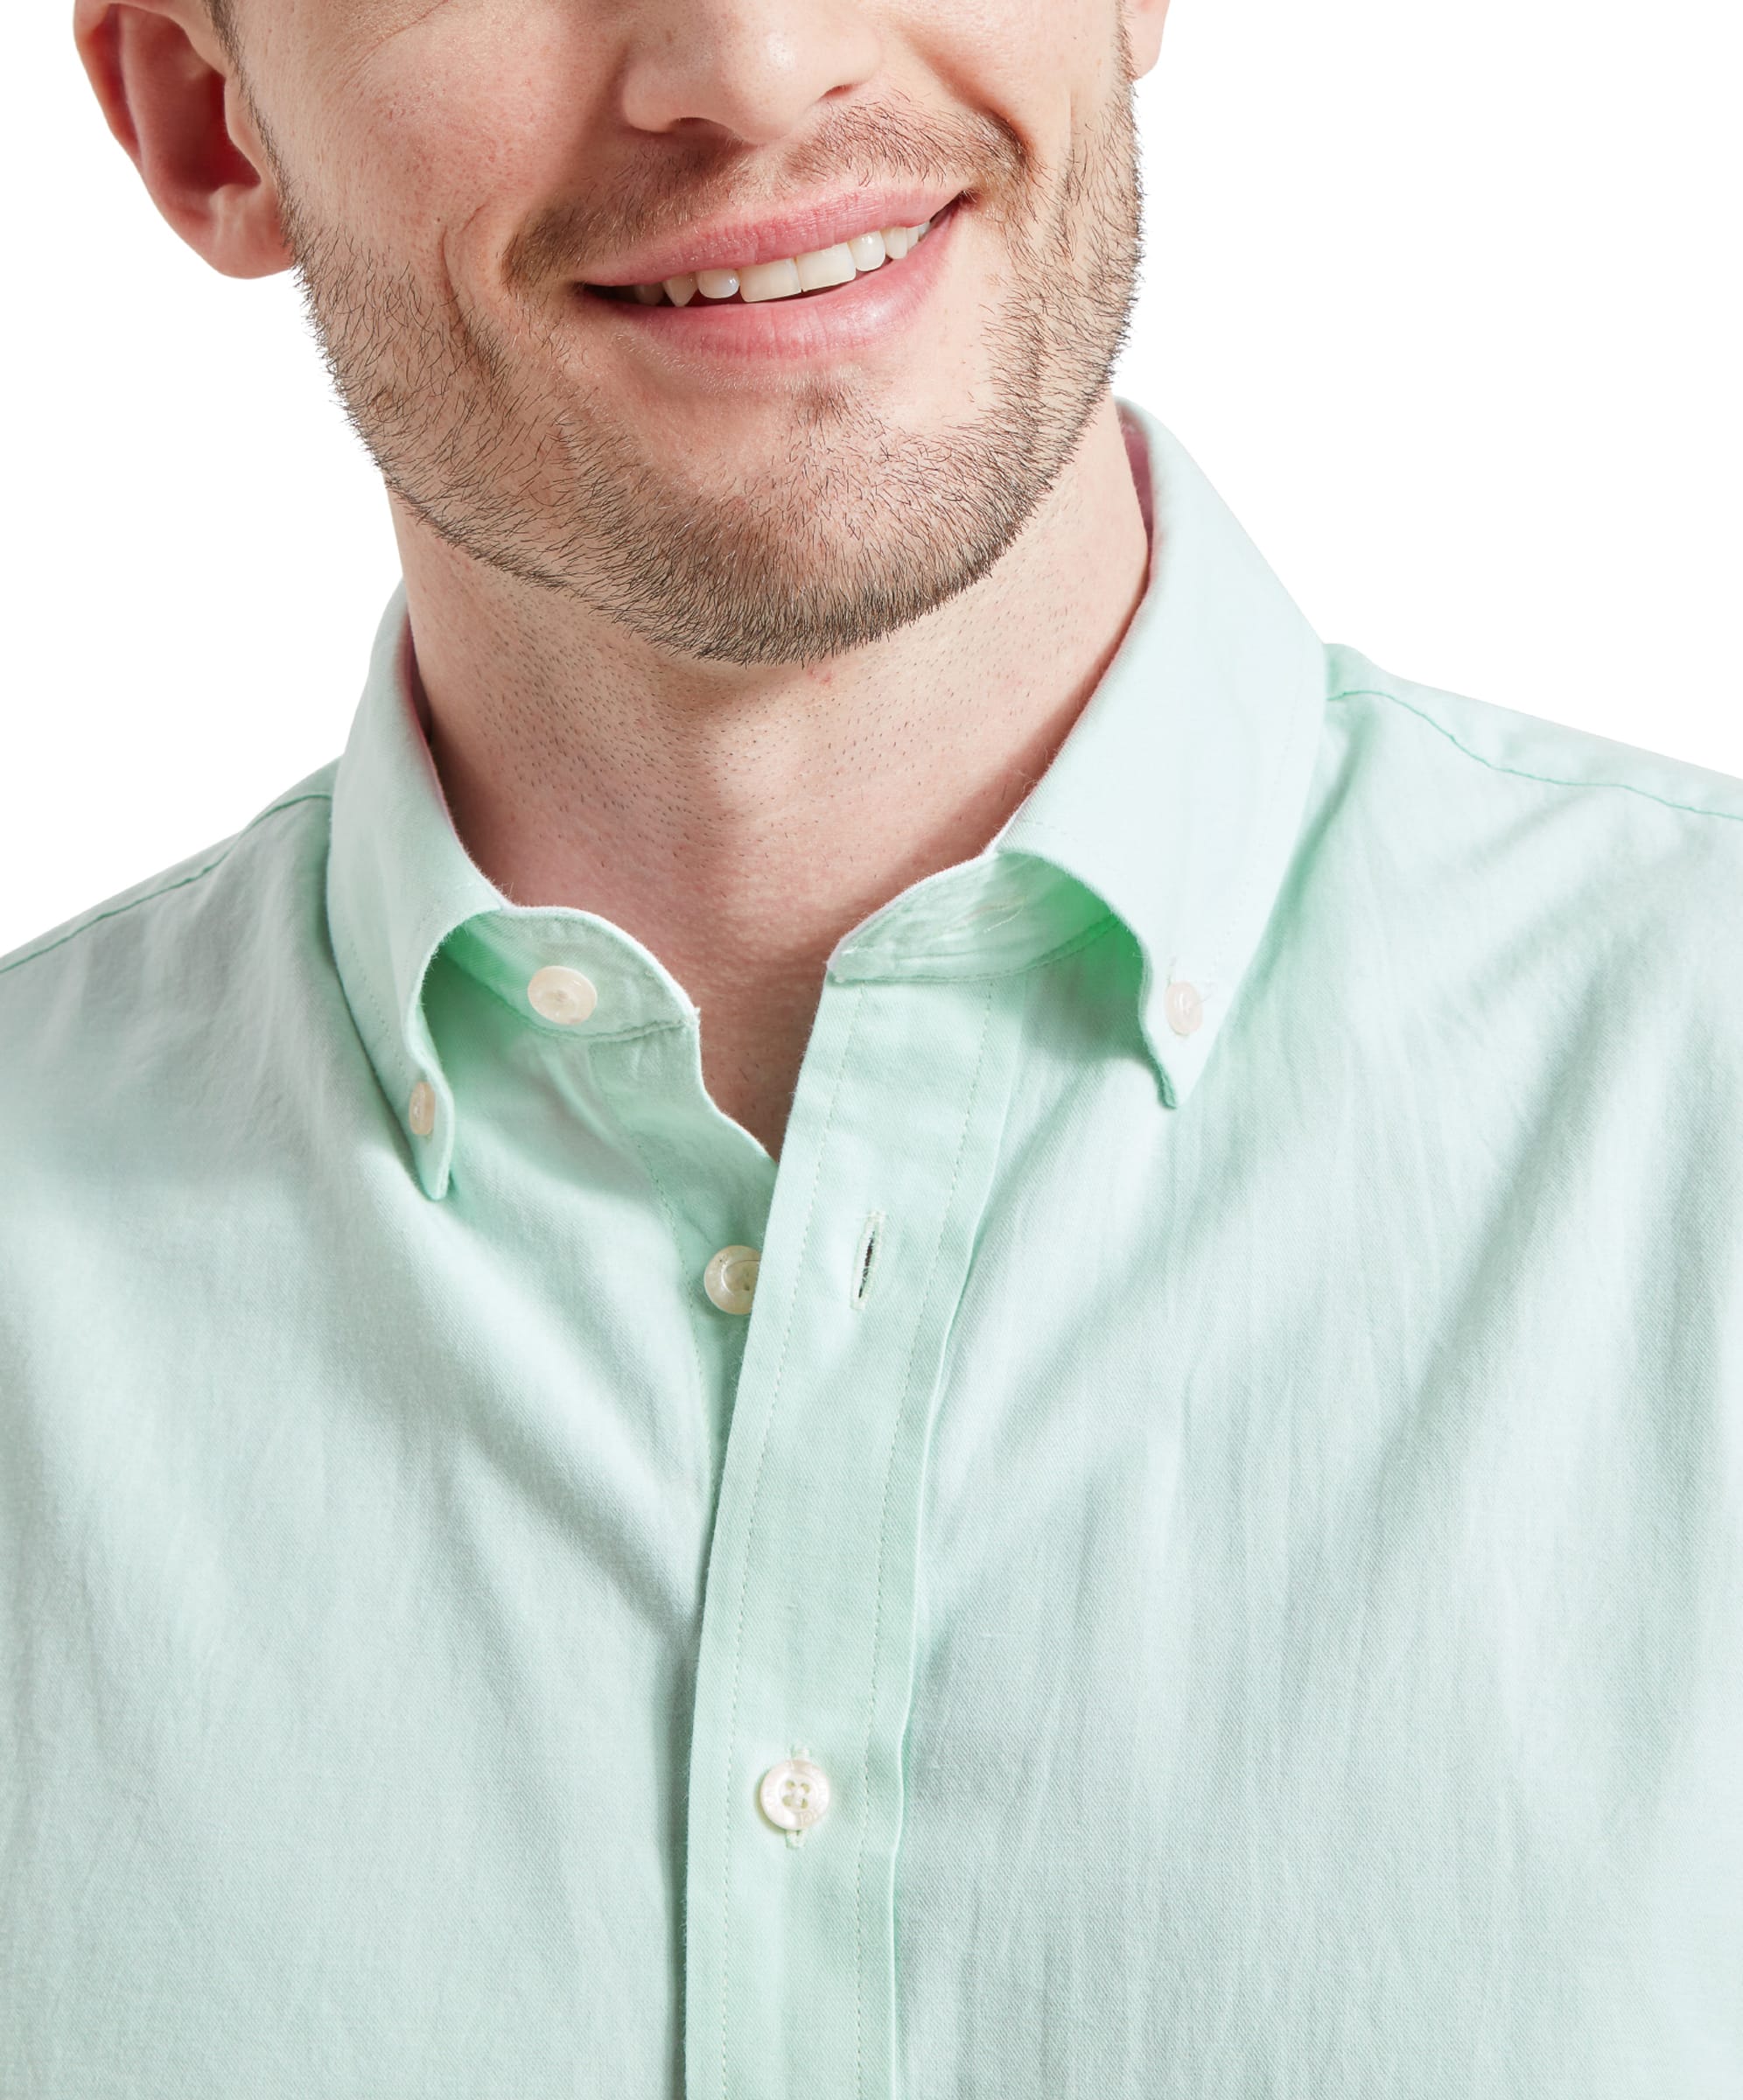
{"x":867,"y":1256}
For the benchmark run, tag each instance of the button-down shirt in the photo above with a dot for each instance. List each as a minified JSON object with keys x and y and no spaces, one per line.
{"x":1185,"y":1541}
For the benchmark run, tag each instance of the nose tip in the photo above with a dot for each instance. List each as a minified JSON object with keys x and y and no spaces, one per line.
{"x":750,"y":72}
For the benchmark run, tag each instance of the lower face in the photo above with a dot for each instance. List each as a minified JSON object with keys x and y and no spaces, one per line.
{"x":772,"y":479}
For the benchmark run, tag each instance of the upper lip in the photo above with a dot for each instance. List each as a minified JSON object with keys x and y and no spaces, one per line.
{"x":801,"y":229}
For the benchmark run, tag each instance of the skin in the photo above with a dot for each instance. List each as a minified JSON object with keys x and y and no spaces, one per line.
{"x":730,"y":657}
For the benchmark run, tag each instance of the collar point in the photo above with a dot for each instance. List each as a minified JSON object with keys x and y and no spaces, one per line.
{"x":1179,"y":1055}
{"x":433,"y":1177}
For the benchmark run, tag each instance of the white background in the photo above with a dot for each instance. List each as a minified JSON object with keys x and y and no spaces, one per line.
{"x":1443,"y":298}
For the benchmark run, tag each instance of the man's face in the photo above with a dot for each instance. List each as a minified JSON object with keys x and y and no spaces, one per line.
{"x":773,"y":481}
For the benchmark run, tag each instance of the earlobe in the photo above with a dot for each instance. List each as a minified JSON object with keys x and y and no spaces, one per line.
{"x":167,"y":93}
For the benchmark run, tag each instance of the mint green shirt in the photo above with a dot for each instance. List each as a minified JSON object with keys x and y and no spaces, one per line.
{"x":1193,"y":1552}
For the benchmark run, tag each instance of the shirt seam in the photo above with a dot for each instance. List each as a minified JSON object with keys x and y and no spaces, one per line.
{"x":1548,"y":780}
{"x":1081,"y":938}
{"x":776,"y":1398}
{"x":644,"y":1154}
{"x":557,"y":1032}
{"x":885,"y":1516}
{"x":150,"y":896}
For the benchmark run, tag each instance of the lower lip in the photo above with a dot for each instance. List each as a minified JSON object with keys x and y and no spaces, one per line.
{"x":875,"y":309}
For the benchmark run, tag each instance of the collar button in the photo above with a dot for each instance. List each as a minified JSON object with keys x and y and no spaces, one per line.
{"x":1183,"y":1006}
{"x":563,"y":996}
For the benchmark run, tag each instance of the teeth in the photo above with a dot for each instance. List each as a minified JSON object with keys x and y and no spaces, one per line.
{"x":814,"y":271}
{"x":827,"y":266}
{"x":769,"y":281}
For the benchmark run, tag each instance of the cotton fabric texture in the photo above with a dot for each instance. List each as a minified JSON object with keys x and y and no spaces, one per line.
{"x":1233,"y":1473}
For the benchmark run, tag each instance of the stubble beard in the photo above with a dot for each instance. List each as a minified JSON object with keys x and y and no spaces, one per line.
{"x":858,"y":529}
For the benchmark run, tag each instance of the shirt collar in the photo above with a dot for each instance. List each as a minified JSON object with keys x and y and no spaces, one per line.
{"x":1175,"y":802}
{"x":1178,"y":794}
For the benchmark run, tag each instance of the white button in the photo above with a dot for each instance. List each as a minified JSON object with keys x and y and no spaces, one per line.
{"x":731,"y":1278}
{"x":794,"y":1793}
{"x":1183,"y":1006}
{"x":562,"y":995}
{"x":421,"y":1109}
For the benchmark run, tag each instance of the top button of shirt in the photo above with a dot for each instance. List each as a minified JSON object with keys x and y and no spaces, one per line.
{"x":562,"y":995}
{"x":731,"y":1278}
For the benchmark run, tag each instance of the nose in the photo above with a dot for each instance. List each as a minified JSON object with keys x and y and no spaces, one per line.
{"x":750,"y":70}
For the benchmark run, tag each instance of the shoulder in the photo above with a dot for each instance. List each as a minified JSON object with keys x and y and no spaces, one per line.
{"x":137,"y":966}
{"x":1536,"y":803}
{"x":1455,"y":733}
{"x":1497,"y":862}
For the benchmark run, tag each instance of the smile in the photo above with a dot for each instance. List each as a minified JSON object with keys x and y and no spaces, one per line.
{"x":820,"y":269}
{"x":758,"y":311}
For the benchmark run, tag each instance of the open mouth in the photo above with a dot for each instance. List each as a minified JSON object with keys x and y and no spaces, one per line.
{"x":808,"y":276}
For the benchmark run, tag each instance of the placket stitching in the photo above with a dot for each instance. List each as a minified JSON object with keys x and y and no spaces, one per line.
{"x":883,"y":1544}
{"x":745,"y":1574}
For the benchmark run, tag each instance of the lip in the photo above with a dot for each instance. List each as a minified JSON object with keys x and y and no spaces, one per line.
{"x":736,"y":243}
{"x":880,"y":307}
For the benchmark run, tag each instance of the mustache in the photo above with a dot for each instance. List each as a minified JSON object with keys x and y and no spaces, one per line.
{"x":669,"y":189}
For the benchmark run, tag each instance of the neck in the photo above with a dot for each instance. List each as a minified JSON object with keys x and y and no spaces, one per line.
{"x":738,"y":821}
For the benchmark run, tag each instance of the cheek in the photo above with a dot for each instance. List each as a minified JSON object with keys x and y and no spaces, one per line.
{"x":1043,"y":34}
{"x":454,"y":127}
{"x":1039,"y":66}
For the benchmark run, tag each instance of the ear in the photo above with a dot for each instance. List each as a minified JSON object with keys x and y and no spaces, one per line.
{"x":1143,"y":24}
{"x":169,"y":94}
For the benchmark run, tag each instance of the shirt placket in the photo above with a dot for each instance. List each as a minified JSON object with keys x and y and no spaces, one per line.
{"x":807,"y":1652}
